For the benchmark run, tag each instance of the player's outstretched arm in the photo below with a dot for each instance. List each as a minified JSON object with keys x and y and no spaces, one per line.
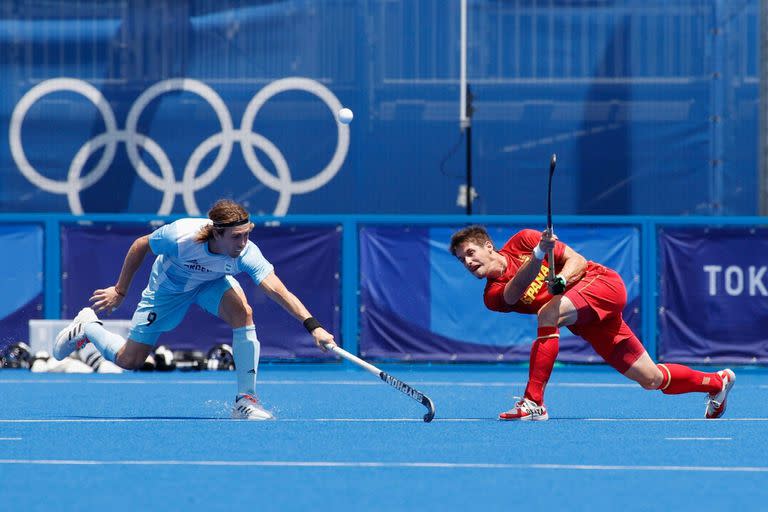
{"x":276,"y":290}
{"x":108,"y":299}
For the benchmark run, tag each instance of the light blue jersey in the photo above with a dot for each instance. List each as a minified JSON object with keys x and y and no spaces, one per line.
{"x":182,"y":263}
{"x":186,"y":272}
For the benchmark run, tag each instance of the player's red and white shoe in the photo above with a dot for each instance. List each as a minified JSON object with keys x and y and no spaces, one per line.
{"x":72,"y":337}
{"x":526,"y":410}
{"x":248,"y":407}
{"x":716,"y":402}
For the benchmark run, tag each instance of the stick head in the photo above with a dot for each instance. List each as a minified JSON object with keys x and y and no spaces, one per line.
{"x":431,"y":408}
{"x":552,"y":163}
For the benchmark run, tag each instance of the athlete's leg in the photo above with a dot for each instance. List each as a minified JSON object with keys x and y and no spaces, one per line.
{"x":678,"y":379}
{"x":127,"y":354}
{"x":108,"y":343}
{"x":557,"y":312}
{"x":234,"y":310}
{"x":226,"y":299}
{"x":630,"y":358}
{"x":645,"y":372}
{"x":155,"y":314}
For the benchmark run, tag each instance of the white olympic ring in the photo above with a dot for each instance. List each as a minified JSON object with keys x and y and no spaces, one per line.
{"x":166,"y":182}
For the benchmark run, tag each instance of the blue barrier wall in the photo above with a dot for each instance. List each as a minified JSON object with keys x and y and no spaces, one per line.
{"x":417,"y":302}
{"x":21,"y":279}
{"x":163,"y":106}
{"x":306,"y":258}
{"x":713,"y":295}
{"x":354,"y":272}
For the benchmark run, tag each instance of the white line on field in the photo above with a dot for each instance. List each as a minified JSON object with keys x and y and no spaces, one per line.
{"x":421,"y":465}
{"x":674,"y":419}
{"x":368,"y":382}
{"x":290,"y":382}
{"x":698,"y":439}
{"x":364,"y":420}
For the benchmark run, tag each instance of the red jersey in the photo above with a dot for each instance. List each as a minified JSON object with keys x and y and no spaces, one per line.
{"x":517,"y":251}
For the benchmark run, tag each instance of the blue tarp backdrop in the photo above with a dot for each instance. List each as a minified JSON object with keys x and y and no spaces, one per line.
{"x":21,"y":280}
{"x":418,"y":302}
{"x":707,"y":300}
{"x":307,"y":260}
{"x":162,"y":106}
{"x":713,"y":294}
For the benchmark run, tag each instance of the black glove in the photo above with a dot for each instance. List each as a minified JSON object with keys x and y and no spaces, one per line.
{"x":557,"y":285}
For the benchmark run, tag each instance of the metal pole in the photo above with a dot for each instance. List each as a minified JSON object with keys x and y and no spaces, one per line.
{"x":469,"y":165}
{"x":465,"y":106}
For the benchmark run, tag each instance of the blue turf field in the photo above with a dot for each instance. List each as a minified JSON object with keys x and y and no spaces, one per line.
{"x":345,"y":441}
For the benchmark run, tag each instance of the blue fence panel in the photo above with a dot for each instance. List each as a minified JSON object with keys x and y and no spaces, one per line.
{"x":162,"y":107}
{"x":713,"y":294}
{"x":21,"y":280}
{"x":419,"y":303}
{"x":307,"y":259}
{"x":692,"y":286}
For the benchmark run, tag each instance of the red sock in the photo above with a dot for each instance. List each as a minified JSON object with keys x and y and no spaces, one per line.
{"x":679,"y":379}
{"x":543,"y":355}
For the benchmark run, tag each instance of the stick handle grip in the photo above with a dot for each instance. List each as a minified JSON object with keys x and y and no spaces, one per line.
{"x":551,"y":259}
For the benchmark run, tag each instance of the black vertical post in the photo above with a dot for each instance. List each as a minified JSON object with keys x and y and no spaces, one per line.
{"x":468,"y":129}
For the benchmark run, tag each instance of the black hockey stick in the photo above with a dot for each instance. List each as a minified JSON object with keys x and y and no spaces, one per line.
{"x":551,"y":255}
{"x":392,"y":381}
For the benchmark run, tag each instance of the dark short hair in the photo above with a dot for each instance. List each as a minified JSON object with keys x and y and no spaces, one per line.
{"x":475,"y":234}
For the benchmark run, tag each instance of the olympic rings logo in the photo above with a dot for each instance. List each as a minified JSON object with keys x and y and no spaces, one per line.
{"x":166,"y":182}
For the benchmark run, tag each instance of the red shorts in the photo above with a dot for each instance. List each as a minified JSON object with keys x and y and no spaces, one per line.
{"x":599,"y":298}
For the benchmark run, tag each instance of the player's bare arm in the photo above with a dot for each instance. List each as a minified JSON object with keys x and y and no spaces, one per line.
{"x":276,"y":290}
{"x":516,"y":286}
{"x":574,"y":265}
{"x":110,"y":298}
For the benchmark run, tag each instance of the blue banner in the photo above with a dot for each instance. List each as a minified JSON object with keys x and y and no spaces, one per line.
{"x":306,"y":259}
{"x":419,"y":303}
{"x":21,"y":280}
{"x":713,"y":295}
{"x":161,"y":107}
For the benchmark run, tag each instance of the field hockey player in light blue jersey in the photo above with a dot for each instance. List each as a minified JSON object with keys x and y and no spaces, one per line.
{"x":196,"y":259}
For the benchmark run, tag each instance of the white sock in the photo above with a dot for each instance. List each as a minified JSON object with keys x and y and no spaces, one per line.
{"x":246,"y":347}
{"x":91,"y":356}
{"x":108,"y":343}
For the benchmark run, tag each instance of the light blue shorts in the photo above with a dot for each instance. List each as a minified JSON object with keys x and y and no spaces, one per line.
{"x":160,"y":312}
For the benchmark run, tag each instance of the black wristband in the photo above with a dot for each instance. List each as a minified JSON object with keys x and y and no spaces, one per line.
{"x":311,"y":323}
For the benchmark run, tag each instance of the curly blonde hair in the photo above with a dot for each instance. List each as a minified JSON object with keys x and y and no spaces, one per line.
{"x":224,"y":211}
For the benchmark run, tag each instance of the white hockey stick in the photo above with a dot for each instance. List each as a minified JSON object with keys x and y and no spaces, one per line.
{"x":392,"y":381}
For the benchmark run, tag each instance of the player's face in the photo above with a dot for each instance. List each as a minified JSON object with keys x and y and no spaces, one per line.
{"x":234,"y":240}
{"x":476,"y":258}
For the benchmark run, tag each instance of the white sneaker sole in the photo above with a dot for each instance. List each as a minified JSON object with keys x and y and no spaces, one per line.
{"x":67,"y":340}
{"x":72,"y":337}
{"x":250,"y":412}
{"x":723,"y":395}
{"x":530,"y":417}
{"x":253,"y":417}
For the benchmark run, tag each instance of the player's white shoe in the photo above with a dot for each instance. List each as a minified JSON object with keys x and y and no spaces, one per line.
{"x":72,"y":337}
{"x":248,"y":407}
{"x":525,"y":410}
{"x":716,"y":402}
